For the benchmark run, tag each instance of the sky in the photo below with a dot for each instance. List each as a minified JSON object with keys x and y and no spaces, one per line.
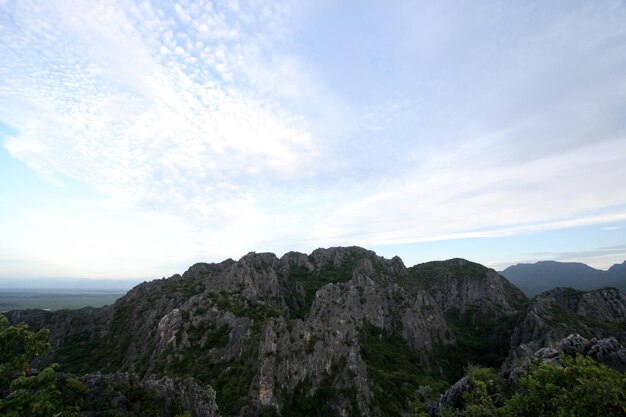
{"x":137,"y":138}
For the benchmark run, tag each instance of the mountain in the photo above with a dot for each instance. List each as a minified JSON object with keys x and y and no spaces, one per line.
{"x":480,"y":306}
{"x":545,"y":275}
{"x":269,"y":334}
{"x":555,"y":314}
{"x":338,"y":332}
{"x":617,"y":271}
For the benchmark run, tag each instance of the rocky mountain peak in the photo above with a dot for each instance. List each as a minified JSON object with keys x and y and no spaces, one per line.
{"x":341,"y":328}
{"x":461,"y":285}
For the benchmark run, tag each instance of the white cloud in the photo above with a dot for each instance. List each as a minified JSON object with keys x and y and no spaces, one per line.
{"x":135,"y":127}
{"x":462,"y":196}
{"x":209,"y":118}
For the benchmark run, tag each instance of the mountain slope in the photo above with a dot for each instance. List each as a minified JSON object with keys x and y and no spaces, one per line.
{"x":480,"y":306}
{"x":341,"y":331}
{"x":545,"y":275}
{"x":555,"y":314}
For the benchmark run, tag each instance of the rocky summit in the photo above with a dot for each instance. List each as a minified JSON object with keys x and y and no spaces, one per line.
{"x":338,"y":332}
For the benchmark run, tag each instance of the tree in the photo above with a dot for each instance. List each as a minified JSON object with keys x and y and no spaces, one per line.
{"x":581,"y":387}
{"x":575,"y":387}
{"x":23,"y":391}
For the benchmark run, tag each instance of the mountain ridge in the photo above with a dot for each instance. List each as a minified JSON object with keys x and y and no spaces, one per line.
{"x":533,"y":278}
{"x":341,"y":330}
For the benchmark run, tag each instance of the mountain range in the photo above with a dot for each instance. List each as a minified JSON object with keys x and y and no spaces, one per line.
{"x":542,"y":276}
{"x":338,"y":332}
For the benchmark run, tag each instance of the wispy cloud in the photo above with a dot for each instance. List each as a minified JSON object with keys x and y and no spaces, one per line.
{"x":144,"y":106}
{"x":595,"y":252}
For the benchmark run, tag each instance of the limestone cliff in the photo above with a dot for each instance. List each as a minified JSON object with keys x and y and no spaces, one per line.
{"x":554,"y":314}
{"x":341,"y":331}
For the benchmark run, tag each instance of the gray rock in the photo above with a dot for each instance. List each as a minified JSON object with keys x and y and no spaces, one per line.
{"x":294,"y":323}
{"x":554,"y":315}
{"x":453,"y":397}
{"x":607,"y":351}
{"x":575,"y":343}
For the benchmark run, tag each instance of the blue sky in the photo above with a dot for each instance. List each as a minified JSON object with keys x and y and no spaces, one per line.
{"x":137,"y":138}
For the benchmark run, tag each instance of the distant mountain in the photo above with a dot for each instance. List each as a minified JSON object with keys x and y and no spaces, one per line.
{"x":618,"y":270}
{"x":545,"y":275}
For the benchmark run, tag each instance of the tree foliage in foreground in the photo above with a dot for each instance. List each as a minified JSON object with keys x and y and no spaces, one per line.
{"x":27,"y":392}
{"x":580,"y":387}
{"x":23,"y":391}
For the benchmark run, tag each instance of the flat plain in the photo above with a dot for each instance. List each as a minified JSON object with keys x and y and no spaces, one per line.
{"x":20,"y":299}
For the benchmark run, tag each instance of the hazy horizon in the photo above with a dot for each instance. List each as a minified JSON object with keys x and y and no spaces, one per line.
{"x":64,"y":284}
{"x":117,"y":284}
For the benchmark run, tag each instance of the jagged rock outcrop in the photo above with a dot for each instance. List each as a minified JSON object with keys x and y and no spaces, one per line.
{"x":269,"y":334}
{"x":453,"y":397}
{"x":462,"y":286}
{"x":607,"y":351}
{"x":555,"y":314}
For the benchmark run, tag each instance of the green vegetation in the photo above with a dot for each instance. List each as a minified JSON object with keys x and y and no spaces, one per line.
{"x":121,"y":399}
{"x":301,"y":404}
{"x":481,"y":340}
{"x":579,"y":388}
{"x":564,"y":319}
{"x":241,"y":307}
{"x":401,"y":379}
{"x":23,"y":390}
{"x":83,"y":353}
{"x":93,"y":351}
{"x":90,"y":351}
{"x":394,"y":371}
{"x":182,"y":288}
{"x":306,"y":402}
{"x":428,"y":273}
{"x":217,"y":337}
{"x":302,"y":284}
{"x":230,"y":379}
{"x":582,"y":387}
{"x":26,"y":392}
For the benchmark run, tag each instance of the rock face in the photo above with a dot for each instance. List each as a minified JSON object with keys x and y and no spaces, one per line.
{"x":274,"y":335}
{"x":607,"y":351}
{"x":480,"y":306}
{"x":469,"y":286}
{"x":555,"y":314}
{"x":453,"y":397}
